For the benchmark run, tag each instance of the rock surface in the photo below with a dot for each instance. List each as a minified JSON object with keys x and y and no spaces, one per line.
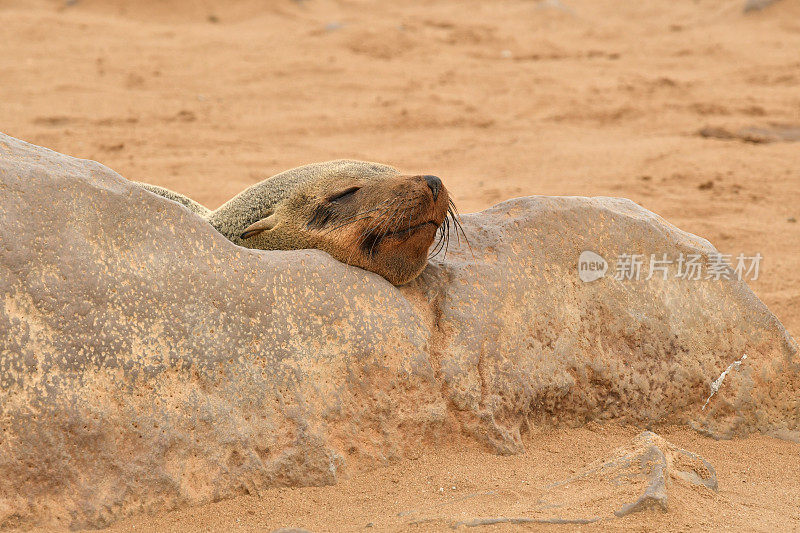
{"x":148,"y":363}
{"x":637,"y":477}
{"x":647,"y":467}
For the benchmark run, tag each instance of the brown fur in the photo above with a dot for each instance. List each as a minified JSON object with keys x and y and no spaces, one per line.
{"x":363,"y":214}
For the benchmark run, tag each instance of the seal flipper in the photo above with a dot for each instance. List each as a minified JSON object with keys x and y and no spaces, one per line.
{"x":266,"y":223}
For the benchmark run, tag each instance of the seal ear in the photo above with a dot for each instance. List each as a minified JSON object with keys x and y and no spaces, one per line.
{"x":266,"y":223}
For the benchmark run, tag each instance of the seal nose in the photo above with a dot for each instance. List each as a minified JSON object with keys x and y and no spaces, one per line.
{"x":434,"y":184}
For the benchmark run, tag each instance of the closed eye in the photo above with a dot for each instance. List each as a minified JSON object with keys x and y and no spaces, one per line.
{"x":343,"y":195}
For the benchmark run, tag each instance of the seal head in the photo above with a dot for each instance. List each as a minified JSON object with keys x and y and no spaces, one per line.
{"x":363,"y":214}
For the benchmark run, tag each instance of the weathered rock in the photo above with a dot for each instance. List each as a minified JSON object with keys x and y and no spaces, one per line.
{"x":646,"y":467}
{"x":637,"y":477}
{"x":148,"y":363}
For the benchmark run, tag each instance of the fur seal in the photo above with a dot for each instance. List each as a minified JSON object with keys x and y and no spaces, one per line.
{"x":364,"y":214}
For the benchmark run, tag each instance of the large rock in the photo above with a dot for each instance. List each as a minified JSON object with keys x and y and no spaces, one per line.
{"x":148,"y":363}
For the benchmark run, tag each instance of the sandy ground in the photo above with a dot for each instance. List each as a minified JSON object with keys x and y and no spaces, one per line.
{"x":499,"y":98}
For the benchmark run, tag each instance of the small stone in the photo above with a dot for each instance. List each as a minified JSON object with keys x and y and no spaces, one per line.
{"x":649,"y":457}
{"x":757,"y":5}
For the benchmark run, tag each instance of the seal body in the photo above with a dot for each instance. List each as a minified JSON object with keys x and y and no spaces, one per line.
{"x":364,"y":214}
{"x":190,"y":204}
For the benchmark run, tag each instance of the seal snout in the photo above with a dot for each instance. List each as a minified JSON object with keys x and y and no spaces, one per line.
{"x":434,"y":184}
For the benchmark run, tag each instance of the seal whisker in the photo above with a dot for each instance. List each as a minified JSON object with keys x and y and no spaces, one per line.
{"x":409,"y":216}
{"x":388,"y":220}
{"x":380,"y":220}
{"x":439,"y":242}
{"x":446,"y":235}
{"x":360,"y":240}
{"x":443,"y":238}
{"x":453,"y":211}
{"x":386,"y":223}
{"x":382,"y":229}
{"x":370,"y":230}
{"x":411,"y":213}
